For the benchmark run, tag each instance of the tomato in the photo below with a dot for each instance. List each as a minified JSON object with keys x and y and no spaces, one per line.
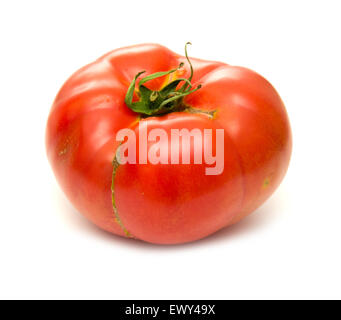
{"x":166,"y":203}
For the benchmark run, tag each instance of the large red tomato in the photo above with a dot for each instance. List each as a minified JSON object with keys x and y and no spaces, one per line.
{"x":166,"y":203}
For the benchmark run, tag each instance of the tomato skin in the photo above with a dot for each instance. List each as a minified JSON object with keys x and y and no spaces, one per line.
{"x":167,"y":204}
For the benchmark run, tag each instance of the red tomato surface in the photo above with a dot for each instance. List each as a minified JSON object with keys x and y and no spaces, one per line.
{"x":166,"y":203}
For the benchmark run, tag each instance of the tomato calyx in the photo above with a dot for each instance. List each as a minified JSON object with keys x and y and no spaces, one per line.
{"x":168,"y":99}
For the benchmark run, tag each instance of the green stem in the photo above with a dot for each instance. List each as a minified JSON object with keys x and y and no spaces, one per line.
{"x":168,"y":99}
{"x":191,"y":68}
{"x":178,"y":96}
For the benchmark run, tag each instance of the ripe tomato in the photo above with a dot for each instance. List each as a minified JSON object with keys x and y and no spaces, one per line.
{"x":166,"y":203}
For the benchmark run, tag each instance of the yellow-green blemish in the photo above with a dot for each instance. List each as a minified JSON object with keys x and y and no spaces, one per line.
{"x":118,"y":220}
{"x":212,"y":114}
{"x":266,"y":183}
{"x":62,"y":151}
{"x":64,"y":147}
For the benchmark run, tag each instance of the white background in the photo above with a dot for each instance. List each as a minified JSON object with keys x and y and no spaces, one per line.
{"x":290,"y":248}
